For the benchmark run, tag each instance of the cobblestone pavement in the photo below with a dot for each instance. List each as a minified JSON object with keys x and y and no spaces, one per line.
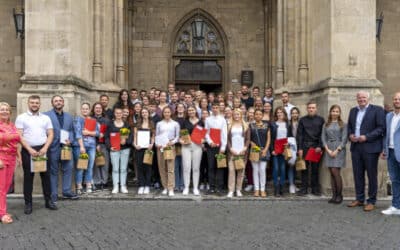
{"x":162,"y":223}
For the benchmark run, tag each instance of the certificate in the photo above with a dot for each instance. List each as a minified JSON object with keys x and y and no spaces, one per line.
{"x":64,"y":136}
{"x":143,"y":138}
{"x":237,"y":144}
{"x":162,"y":140}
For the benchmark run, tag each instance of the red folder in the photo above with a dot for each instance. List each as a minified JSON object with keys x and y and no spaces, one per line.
{"x":198,"y":134}
{"x":115,"y":141}
{"x":215,"y":135}
{"x":103,"y":129}
{"x":90,"y":124}
{"x":279,"y":145}
{"x":313,"y":156}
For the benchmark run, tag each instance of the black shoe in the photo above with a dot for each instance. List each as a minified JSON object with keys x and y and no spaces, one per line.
{"x":276,"y":191}
{"x":302,"y":192}
{"x":211,"y":191}
{"x":28,"y":208}
{"x":218,"y":192}
{"x":281,"y":190}
{"x":332,"y":200}
{"x":316,"y":192}
{"x":51,"y":205}
{"x":70,"y":196}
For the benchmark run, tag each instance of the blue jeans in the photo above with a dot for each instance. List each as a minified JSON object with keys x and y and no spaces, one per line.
{"x":119,"y":160}
{"x":394,"y":173}
{"x":291,"y":174}
{"x":91,"y":151}
{"x":53,"y":164}
{"x":279,"y":165}
{"x":178,"y":172}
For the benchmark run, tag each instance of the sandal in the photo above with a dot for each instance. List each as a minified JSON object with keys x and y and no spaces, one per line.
{"x":6,"y":219}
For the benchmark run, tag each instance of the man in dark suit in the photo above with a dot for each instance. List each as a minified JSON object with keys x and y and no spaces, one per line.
{"x":366,"y":128}
{"x":61,"y":121}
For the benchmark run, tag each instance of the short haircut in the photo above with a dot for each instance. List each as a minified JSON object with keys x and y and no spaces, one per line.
{"x":133,"y":89}
{"x":215,"y":104}
{"x":256,"y":87}
{"x":311,"y":102}
{"x":34,"y":97}
{"x":104,"y":95}
{"x":54,"y":96}
{"x":285,"y":92}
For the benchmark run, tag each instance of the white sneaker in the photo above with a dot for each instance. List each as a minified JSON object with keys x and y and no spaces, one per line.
{"x":146,"y":190}
{"x":248,"y":188}
{"x":196,"y":192}
{"x":230,"y":195}
{"x":208,"y":186}
{"x":391,"y":211}
{"x":141,"y":190}
{"x":165,"y":191}
{"x":292,"y":189}
{"x":201,"y":186}
{"x":115,"y":190}
{"x":238,"y":193}
{"x":185,"y":191}
{"x":124,"y":190}
{"x":171,"y":193}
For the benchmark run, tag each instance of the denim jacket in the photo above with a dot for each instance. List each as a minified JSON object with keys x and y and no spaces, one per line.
{"x":88,"y":141}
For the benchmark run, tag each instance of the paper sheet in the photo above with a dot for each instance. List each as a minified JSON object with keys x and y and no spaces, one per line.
{"x":143,"y":138}
{"x":64,"y":136}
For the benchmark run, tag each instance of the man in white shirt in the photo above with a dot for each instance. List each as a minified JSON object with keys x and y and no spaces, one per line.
{"x":286,"y":104}
{"x":215,"y":175}
{"x":36,"y":132}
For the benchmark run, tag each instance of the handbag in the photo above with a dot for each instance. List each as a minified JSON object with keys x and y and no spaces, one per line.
{"x":268,"y":156}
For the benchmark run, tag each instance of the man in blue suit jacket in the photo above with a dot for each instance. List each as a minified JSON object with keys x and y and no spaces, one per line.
{"x":391,"y":150}
{"x":61,"y":121}
{"x":366,"y":127}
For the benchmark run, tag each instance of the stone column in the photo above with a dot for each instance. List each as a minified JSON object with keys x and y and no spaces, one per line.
{"x":98,"y":41}
{"x":303,"y":67}
{"x":266,"y":44}
{"x":120,"y":69}
{"x":279,"y":45}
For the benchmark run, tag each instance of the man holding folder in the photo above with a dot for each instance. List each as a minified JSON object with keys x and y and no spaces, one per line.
{"x":216,"y":137}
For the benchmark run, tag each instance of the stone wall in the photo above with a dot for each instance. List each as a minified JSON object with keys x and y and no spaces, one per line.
{"x":388,"y":49}
{"x":11,"y":48}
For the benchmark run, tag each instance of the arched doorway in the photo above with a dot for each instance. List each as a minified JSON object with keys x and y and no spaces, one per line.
{"x":198,"y":53}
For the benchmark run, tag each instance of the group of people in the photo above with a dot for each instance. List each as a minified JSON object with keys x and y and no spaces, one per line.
{"x":191,"y":141}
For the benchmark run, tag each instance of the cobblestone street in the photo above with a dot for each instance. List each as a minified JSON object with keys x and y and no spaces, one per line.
{"x":199,"y":224}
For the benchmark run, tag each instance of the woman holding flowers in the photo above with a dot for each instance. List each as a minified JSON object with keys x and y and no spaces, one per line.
{"x":144,"y":125}
{"x":119,"y":150}
{"x":260,"y":141}
{"x":238,"y":142}
{"x":191,"y":151}
{"x":84,"y":146}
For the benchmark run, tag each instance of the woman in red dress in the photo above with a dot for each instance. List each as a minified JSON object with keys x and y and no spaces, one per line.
{"x":9,"y":154}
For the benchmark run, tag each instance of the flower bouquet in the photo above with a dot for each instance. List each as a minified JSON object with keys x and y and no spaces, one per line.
{"x":39,"y":164}
{"x":221,"y":160}
{"x":255,"y":153}
{"x":66,"y":153}
{"x":185,"y":136}
{"x":83,"y":161}
{"x":238,"y":162}
{"x":148,"y":157}
{"x":124,"y":133}
{"x":168,"y":153}
{"x":100,"y":159}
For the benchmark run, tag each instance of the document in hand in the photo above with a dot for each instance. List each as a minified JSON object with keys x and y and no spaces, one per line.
{"x":215,"y":135}
{"x":90,"y":124}
{"x":313,"y":156}
{"x":103,"y":129}
{"x":115,"y":141}
{"x":198,"y":134}
{"x":279,"y":145}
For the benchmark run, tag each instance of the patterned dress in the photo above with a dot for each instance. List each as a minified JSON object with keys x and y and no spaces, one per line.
{"x":334,"y":136}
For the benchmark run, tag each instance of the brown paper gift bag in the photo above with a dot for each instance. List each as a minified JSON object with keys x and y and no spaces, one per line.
{"x":39,"y":166}
{"x":238,"y":162}
{"x":300,"y":164}
{"x":82,"y":164}
{"x":287,"y":153}
{"x":178,"y":150}
{"x":169,"y":154}
{"x":148,"y":157}
{"x":66,"y":154}
{"x":221,"y":161}
{"x":254,"y":156}
{"x":100,"y":161}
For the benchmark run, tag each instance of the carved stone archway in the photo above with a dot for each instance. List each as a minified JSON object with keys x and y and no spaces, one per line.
{"x":199,"y":53}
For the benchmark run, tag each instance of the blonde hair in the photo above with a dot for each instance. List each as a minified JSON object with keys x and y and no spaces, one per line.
{"x":244,"y":124}
{"x":8,"y":106}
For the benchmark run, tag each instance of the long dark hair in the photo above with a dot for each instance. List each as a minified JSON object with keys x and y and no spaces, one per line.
{"x":340,"y":121}
{"x":140,"y":120}
{"x":120,"y":103}
{"x":92,"y":111}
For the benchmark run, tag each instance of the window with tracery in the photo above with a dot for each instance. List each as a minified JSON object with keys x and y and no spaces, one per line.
{"x":198,"y":37}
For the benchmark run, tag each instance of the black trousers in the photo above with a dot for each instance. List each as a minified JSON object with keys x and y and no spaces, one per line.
{"x":215,"y":175}
{"x":314,"y":168}
{"x":28,"y":177}
{"x":144,"y":170}
{"x":365,"y":162}
{"x":155,"y":172}
{"x":204,"y":168}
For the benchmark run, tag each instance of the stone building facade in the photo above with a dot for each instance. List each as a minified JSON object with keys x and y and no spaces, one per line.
{"x":316,"y":49}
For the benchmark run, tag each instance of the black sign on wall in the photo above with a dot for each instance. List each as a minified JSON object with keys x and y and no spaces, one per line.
{"x":247,"y":77}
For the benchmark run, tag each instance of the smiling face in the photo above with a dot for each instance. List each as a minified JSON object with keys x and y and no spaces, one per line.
{"x":335,"y":113}
{"x":34,"y":105}
{"x":85,"y":109}
{"x":167,"y":113}
{"x":5,"y":112}
{"x":362,"y":99}
{"x":312,"y":109}
{"x":191,"y":112}
{"x":396,"y":101}
{"x":98,"y":109}
{"x":258,"y":115}
{"x":118,"y":113}
{"x":237,"y":115}
{"x":145,"y":114}
{"x":58,"y":103}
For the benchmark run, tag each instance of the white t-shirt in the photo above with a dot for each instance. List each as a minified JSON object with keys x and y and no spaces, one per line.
{"x":34,"y":127}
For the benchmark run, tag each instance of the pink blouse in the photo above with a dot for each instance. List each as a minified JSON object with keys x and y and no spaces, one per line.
{"x":9,"y":139}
